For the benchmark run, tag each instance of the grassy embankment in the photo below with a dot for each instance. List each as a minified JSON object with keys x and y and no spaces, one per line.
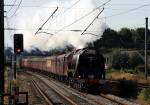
{"x":129,"y":85}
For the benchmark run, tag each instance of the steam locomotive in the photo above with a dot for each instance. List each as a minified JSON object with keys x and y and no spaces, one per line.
{"x":83,"y":68}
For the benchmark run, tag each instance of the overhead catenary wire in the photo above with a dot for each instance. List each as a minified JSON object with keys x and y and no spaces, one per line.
{"x":69,"y":7}
{"x":10,"y":33}
{"x":78,"y":19}
{"x":46,"y":20}
{"x":12,"y":6}
{"x":15,"y":29}
{"x":16,"y":9}
{"x":7,"y":23}
{"x":84,"y":33}
{"x":96,"y":35}
{"x":60,"y":14}
{"x":40,"y":6}
{"x":133,"y":4}
{"x":45,"y":32}
{"x":130,"y":10}
{"x":121,"y":13}
{"x":92,"y":22}
{"x":83,"y":16}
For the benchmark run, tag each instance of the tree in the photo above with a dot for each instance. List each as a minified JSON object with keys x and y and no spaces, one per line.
{"x":110,"y":39}
{"x":120,"y":61}
{"x":140,"y":32}
{"x":126,"y":38}
{"x":135,"y":60}
{"x":8,"y":51}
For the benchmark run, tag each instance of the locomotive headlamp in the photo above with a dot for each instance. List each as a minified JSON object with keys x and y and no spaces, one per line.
{"x":79,"y":76}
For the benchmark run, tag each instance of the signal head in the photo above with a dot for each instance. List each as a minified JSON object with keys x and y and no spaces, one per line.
{"x":18,"y":43}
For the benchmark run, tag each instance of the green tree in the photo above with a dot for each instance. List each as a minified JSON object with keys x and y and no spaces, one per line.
{"x":120,"y":61}
{"x":135,"y":60}
{"x":116,"y":60}
{"x":110,"y":39}
{"x":126,"y":38}
{"x":140,"y":32}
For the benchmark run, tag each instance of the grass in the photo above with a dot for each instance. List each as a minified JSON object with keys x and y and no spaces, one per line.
{"x":130,"y":80}
{"x":116,"y":75}
{"x":144,"y":94}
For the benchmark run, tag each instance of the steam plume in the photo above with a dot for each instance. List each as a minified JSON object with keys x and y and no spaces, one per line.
{"x":31,"y":20}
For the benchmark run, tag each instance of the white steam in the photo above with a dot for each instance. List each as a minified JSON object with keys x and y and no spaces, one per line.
{"x":31,"y":20}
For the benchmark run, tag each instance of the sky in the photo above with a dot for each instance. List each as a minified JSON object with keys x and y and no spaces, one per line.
{"x":133,"y":19}
{"x":31,"y":14}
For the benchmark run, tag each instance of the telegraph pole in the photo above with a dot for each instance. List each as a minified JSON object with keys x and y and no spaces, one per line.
{"x":1,"y":51}
{"x":146,"y":33}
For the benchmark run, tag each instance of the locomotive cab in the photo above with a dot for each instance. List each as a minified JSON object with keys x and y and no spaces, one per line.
{"x":88,"y":63}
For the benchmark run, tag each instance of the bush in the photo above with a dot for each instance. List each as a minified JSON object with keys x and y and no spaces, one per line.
{"x":126,"y":60}
{"x":136,"y":60}
{"x":120,"y":61}
{"x":144,"y":94}
{"x":141,"y":69}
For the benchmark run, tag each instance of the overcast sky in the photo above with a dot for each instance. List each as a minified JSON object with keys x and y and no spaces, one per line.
{"x":130,"y":19}
{"x":116,"y":14}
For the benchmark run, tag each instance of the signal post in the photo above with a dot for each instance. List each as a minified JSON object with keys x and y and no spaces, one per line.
{"x":18,"y":48}
{"x":14,"y":90}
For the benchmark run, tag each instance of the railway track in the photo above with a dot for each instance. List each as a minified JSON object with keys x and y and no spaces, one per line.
{"x":46,"y":98}
{"x":65,"y":97}
{"x":51,"y":96}
{"x":78,"y":98}
{"x":107,"y":99}
{"x":25,"y":84}
{"x":141,"y":86}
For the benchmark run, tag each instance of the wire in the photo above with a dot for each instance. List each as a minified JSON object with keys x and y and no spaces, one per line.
{"x":45,"y":32}
{"x":16,"y":9}
{"x":78,"y":20}
{"x":7,"y":23}
{"x":83,"y":16}
{"x":12,"y":6}
{"x":60,"y":14}
{"x":46,"y":21}
{"x":92,"y":22}
{"x":130,"y":10}
{"x":125,"y":4}
{"x":15,"y":29}
{"x":92,"y":34}
{"x":10,"y":33}
{"x":49,"y":7}
{"x":43,"y":6}
{"x":69,"y":7}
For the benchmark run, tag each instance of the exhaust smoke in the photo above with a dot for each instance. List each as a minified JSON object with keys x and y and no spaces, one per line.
{"x":63,"y":28}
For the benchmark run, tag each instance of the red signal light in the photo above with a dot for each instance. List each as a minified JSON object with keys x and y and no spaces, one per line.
{"x":18,"y":43}
{"x":18,"y":50}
